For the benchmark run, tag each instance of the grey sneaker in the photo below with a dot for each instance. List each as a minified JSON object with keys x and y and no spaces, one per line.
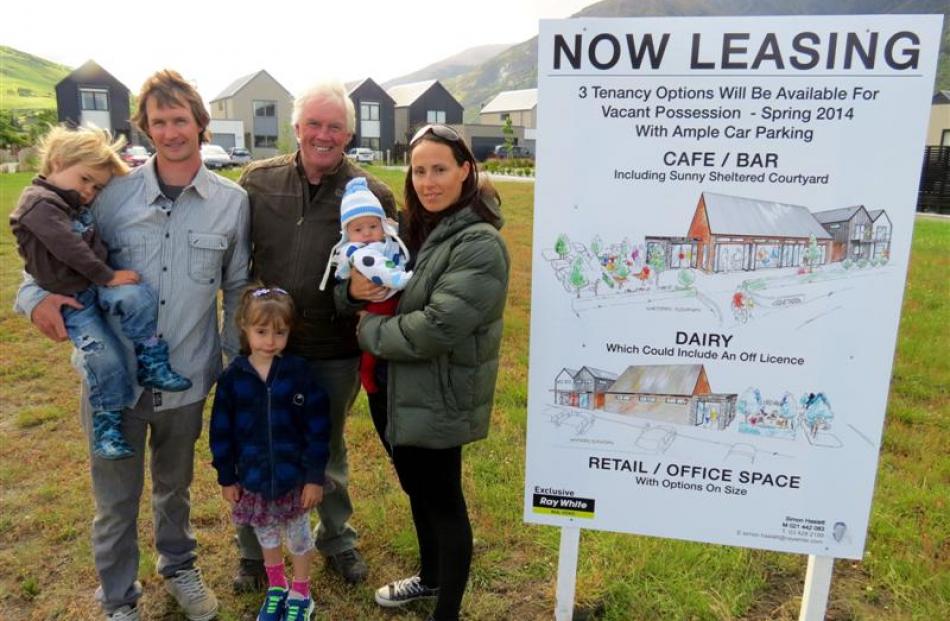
{"x":349,"y":564}
{"x":403,"y":591}
{"x":196,"y":600}
{"x":125,"y":613}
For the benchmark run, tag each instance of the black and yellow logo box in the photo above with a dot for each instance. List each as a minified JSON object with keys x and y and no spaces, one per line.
{"x":563,"y":505}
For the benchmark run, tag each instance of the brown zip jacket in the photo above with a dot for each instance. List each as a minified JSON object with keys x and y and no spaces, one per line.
{"x":62,"y":255}
{"x":291,"y":239}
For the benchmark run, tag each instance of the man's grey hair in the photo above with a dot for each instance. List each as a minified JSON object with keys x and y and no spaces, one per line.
{"x":327,"y":89}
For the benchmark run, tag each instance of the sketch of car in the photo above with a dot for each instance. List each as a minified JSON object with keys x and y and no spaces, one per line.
{"x":581,"y":422}
{"x":655,"y":439}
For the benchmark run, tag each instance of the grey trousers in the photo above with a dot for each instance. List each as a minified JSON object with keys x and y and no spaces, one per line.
{"x":117,"y":487}
{"x":340,"y":379}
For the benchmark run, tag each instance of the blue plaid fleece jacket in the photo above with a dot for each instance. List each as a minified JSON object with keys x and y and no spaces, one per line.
{"x":270,"y":437}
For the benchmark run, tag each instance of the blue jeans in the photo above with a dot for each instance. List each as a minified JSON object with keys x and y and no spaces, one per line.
{"x":100,"y":353}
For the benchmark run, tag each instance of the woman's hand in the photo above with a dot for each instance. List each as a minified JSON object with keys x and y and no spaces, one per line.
{"x":362,"y":288}
{"x":231,"y":493}
{"x":311,"y":496}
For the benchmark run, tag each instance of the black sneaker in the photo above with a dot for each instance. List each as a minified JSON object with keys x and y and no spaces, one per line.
{"x":349,"y":564}
{"x":250,"y":576}
{"x":403,"y":591}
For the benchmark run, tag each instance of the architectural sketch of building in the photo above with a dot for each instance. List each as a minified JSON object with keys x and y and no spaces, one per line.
{"x":584,"y":388}
{"x":851,"y":228}
{"x":668,"y":393}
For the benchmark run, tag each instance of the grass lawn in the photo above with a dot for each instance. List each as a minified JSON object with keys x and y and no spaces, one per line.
{"x":46,"y":506}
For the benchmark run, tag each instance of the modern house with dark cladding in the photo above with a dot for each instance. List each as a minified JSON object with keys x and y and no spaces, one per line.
{"x":375,"y":111}
{"x":90,"y":95}
{"x":419,"y":103}
{"x":851,"y":228}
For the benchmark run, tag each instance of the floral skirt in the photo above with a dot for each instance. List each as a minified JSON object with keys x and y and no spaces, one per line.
{"x":255,"y":510}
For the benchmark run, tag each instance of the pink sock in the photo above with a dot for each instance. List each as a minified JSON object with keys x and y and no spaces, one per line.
{"x":275,"y":575}
{"x":301,"y":588}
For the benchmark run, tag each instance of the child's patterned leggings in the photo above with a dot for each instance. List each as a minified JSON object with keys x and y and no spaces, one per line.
{"x":299,"y":539}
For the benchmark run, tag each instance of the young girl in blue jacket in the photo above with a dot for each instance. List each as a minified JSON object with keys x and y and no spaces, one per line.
{"x":269,"y":444}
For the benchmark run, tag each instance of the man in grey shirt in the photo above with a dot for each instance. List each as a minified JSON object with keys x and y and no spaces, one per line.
{"x":185,"y":231}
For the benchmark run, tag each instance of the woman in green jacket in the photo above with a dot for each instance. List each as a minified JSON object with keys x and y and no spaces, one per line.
{"x":441,"y":349}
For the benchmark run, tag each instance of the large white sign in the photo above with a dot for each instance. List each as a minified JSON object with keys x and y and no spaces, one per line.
{"x":723,"y":219}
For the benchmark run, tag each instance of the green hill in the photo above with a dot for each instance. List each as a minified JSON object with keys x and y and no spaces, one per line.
{"x":28,"y":82}
{"x":517,"y":67}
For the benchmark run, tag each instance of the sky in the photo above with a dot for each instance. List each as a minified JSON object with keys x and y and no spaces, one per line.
{"x":296,"y":41}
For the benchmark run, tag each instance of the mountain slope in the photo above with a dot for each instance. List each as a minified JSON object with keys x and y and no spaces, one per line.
{"x":452,"y":66}
{"x":28,"y":81}
{"x":517,"y":67}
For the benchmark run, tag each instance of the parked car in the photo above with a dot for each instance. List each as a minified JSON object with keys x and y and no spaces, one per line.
{"x":517,"y":151}
{"x":214,"y":157}
{"x":135,"y":155}
{"x":239,"y":156}
{"x":361,"y":154}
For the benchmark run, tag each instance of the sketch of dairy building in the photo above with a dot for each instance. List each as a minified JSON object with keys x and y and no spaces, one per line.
{"x":668,"y":393}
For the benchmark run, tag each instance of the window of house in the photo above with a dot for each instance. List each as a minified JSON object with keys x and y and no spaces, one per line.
{"x":220,"y":106}
{"x":265,"y":141}
{"x":647,"y":399}
{"x":94,"y":99}
{"x":369,"y":124}
{"x":435,"y":116}
{"x":676,"y":400}
{"x":369,"y":111}
{"x":265,"y":108}
{"x":370,"y":143}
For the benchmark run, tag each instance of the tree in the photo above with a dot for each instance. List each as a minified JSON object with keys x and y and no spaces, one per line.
{"x":685,"y":278}
{"x":817,"y":412}
{"x":749,"y":405}
{"x":577,"y":278}
{"x":657,"y":260}
{"x":509,"y":133}
{"x":39,"y":122}
{"x":561,"y":246}
{"x":12,"y":134}
{"x":596,"y":245}
{"x":812,"y":253}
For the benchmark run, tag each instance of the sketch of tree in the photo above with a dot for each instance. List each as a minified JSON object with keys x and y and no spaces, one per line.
{"x":561,"y":246}
{"x":576,"y":277}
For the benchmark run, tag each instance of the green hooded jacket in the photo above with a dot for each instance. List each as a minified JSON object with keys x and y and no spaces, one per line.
{"x":442,"y":346}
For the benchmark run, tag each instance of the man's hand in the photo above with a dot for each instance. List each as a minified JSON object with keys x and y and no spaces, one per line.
{"x":48,"y":318}
{"x":362,"y":288}
{"x":311,"y":496}
{"x":231,"y":493}
{"x":123,"y":277}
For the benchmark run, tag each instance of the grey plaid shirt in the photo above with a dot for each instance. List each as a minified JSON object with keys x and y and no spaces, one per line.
{"x":185,"y":250}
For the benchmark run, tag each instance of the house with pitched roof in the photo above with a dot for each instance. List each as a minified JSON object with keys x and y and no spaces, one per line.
{"x":881,"y":237}
{"x":582,"y":388}
{"x":733,"y":233}
{"x":90,"y":95}
{"x":264,"y":106}
{"x":520,"y":106}
{"x":670,"y":393}
{"x":419,"y":103}
{"x":851,"y":230}
{"x":375,"y":116}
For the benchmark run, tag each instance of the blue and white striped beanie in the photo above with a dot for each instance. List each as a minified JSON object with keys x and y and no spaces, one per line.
{"x":358,"y":201}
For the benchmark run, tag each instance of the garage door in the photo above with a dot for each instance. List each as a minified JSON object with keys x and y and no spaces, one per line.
{"x":225,"y":141}
{"x":483,"y":146}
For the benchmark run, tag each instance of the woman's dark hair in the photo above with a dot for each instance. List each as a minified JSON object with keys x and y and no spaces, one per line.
{"x":419,"y":222}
